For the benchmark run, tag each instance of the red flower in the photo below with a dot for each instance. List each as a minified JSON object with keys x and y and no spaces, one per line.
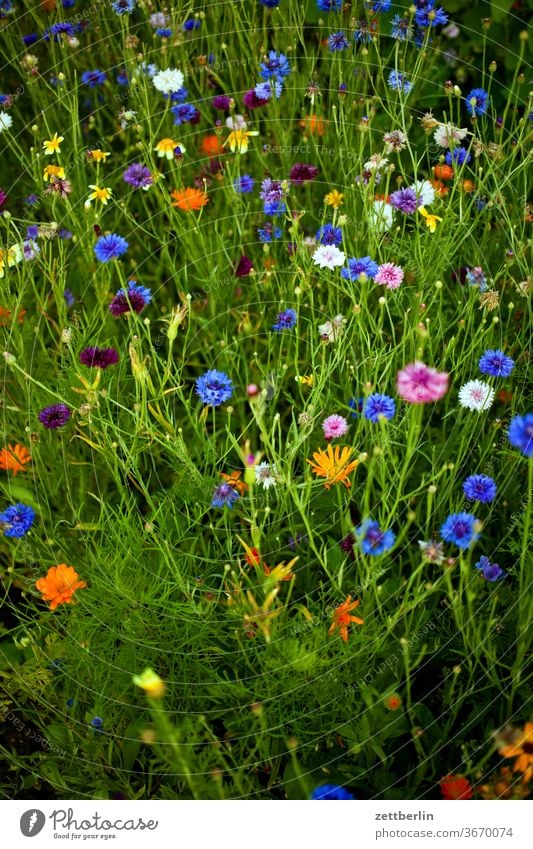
{"x":456,"y":787}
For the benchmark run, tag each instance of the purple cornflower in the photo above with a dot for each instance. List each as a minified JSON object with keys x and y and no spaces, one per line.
{"x":301,"y":172}
{"x":273,"y":196}
{"x":224,"y":496}
{"x":222,"y":102}
{"x":134,"y":298}
{"x":18,"y":519}
{"x":476,"y":277}
{"x":378,"y":407}
{"x":138,"y":176}
{"x":285,"y":320}
{"x":496,"y":364}
{"x":244,"y":184}
{"x":110,"y":247}
{"x":373,"y":540}
{"x":55,"y":416}
{"x":252,"y":101}
{"x":244,"y":267}
{"x":329,"y":235}
{"x":214,"y":388}
{"x":460,"y":528}
{"x":405,"y":200}
{"x":480,"y":488}
{"x":358,"y":266}
{"x":477,"y":102}
{"x":490,"y":571}
{"x":458,"y":156}
{"x":98,"y":357}
{"x":347,"y":545}
{"x":520,"y":434}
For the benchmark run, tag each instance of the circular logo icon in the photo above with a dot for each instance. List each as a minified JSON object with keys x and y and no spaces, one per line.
{"x":32,"y":822}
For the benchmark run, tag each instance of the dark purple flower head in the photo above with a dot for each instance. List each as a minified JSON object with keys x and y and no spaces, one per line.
{"x":99,"y":357}
{"x":490,"y":571}
{"x":55,"y":416}
{"x":138,"y":176}
{"x":3,"y":197}
{"x":222,"y":102}
{"x":347,"y":545}
{"x":301,"y":172}
{"x":405,"y":200}
{"x":134,"y":298}
{"x":224,"y":496}
{"x":252,"y":101}
{"x":244,"y":267}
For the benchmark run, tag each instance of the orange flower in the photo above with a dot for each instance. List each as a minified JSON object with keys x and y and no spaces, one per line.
{"x":393,"y":701}
{"x":234,"y":481}
{"x":522,"y":750}
{"x":334,"y":465}
{"x":14,"y":458}
{"x":189,"y":199}
{"x":468,"y":186}
{"x":314,"y":124}
{"x":5,"y":316}
{"x":342,"y":618}
{"x":212,"y":146}
{"x":59,"y":585}
{"x":439,"y":187}
{"x":443,"y":172}
{"x":456,"y":787}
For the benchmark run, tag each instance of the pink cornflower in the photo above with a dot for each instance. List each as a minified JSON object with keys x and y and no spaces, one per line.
{"x":389,"y":275}
{"x":334,"y":426}
{"x":419,"y":384}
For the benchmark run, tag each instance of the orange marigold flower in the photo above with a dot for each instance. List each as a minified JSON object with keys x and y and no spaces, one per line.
{"x":14,"y":458}
{"x":443,"y":172}
{"x":233,"y":480}
{"x":439,"y":187}
{"x":334,"y":464}
{"x":468,"y":186}
{"x":59,"y":585}
{"x":456,"y":787}
{"x":189,"y":199}
{"x":212,"y":146}
{"x":315,"y":125}
{"x":342,"y":618}
{"x":5,"y":316}
{"x":522,"y":750}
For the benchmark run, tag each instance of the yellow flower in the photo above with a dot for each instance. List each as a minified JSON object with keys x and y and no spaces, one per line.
{"x":334,"y":465}
{"x":53,"y":145}
{"x":306,"y":380}
{"x":431,"y":220}
{"x":54,"y":171}
{"x":334,"y":199}
{"x":98,"y":155}
{"x":10,"y":257}
{"x":151,"y":683}
{"x":166,"y":148}
{"x":103,"y":195}
{"x":238,"y":140}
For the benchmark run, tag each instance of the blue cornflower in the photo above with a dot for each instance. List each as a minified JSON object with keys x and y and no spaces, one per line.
{"x":18,"y":519}
{"x":402,"y":29}
{"x":122,"y":7}
{"x":97,"y":723}
{"x":122,"y":78}
{"x":265,"y":90}
{"x":191,"y":23}
{"x":429,"y":16}
{"x":480,"y":202}
{"x":70,"y":300}
{"x":496,"y":364}
{"x":358,"y":266}
{"x":270,"y":4}
{"x":329,"y":5}
{"x":134,"y":298}
{"x":460,"y":528}
{"x":214,"y":387}
{"x":329,"y":235}
{"x":68,"y":4}
{"x":244,"y":184}
{"x":179,"y":96}
{"x":520,"y":434}
{"x":285,"y":320}
{"x":378,"y":5}
{"x":490,"y":571}
{"x":458,"y":156}
{"x":480,"y":488}
{"x":163,"y":32}
{"x":224,"y":496}
{"x":273,"y":196}
{"x":184,"y":113}
{"x":362,"y":34}
{"x":373,"y":540}
{"x":477,"y":102}
{"x":398,"y":82}
{"x":356,"y":406}
{"x":110,"y":247}
{"x":275,"y":67}
{"x":30,"y":39}
{"x":331,"y":792}
{"x":268,"y":232}
{"x":93,"y":78}
{"x":378,"y":406}
{"x":338,"y":41}
{"x":61,"y":28}
{"x":476,"y":277}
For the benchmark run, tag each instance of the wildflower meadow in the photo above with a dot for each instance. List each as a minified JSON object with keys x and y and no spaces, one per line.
{"x":267,"y":422}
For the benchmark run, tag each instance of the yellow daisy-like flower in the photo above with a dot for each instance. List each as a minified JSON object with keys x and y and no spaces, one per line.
{"x":334,"y":199}
{"x":166,"y":147}
{"x":101,"y":194}
{"x":52,"y":145}
{"x":10,"y":257}
{"x":54,"y":172}
{"x":238,"y":140}
{"x":151,"y":683}
{"x":334,"y":465}
{"x":431,"y":220}
{"x":98,"y":155}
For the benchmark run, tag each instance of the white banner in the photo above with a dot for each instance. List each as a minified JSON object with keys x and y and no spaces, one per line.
{"x":252,"y":825}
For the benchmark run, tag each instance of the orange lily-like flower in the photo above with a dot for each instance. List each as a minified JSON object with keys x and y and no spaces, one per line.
{"x":14,"y":458}
{"x":238,"y":140}
{"x":431,"y":220}
{"x":342,"y":618}
{"x":522,"y":750}
{"x":189,"y":199}
{"x":233,"y":480}
{"x":59,"y":585}
{"x":334,"y":464}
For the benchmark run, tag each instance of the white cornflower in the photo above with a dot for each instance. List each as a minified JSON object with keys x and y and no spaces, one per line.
{"x":380,"y":216}
{"x":424,"y":192}
{"x":328,"y":256}
{"x":168,"y":81}
{"x":476,"y":395}
{"x":6,"y":121}
{"x":376,"y":162}
{"x":266,"y":474}
{"x":332,"y":330}
{"x":236,"y":122}
{"x":394,"y":141}
{"x":446,"y":135}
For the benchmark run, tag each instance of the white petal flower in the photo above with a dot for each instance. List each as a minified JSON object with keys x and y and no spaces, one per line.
{"x":446,"y":135}
{"x":332,"y":330}
{"x":266,"y":474}
{"x":6,"y":121}
{"x":168,"y":81}
{"x":328,"y":256}
{"x":476,"y":395}
{"x":236,"y":122}
{"x":424,"y":191}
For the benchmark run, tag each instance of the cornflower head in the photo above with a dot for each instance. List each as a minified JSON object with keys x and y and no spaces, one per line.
{"x":495,"y":364}
{"x":110,"y":247}
{"x":132,"y":299}
{"x":477,"y":102}
{"x":334,"y":427}
{"x":358,"y":268}
{"x":398,"y":82}
{"x":476,"y":395}
{"x":520,"y":434}
{"x":480,"y":488}
{"x":420,"y":384}
{"x":285,"y":320}
{"x":394,"y":141}
{"x":328,"y":256}
{"x":138,"y":176}
{"x":331,"y":792}
{"x":378,"y":408}
{"x":490,"y":571}
{"x":461,"y":529}
{"x":214,"y":388}
{"x":389,"y":275}
{"x":329,"y":235}
{"x":55,"y":416}
{"x":405,"y":200}
{"x":224,"y":495}
{"x":17,"y":520}
{"x":372,"y":539}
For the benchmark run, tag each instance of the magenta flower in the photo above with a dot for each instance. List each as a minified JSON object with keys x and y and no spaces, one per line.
{"x":334,"y":426}
{"x":389,"y":275}
{"x":420,"y":384}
